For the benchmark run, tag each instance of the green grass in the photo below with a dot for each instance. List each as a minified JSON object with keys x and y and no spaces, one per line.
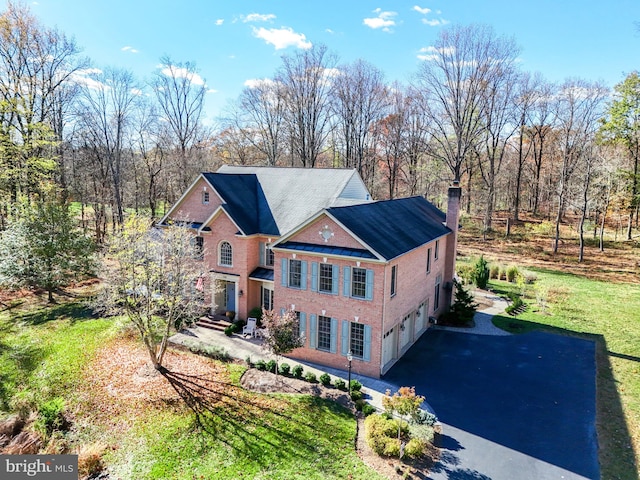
{"x":312,"y":438}
{"x":43,"y":355}
{"x":608,"y":313}
{"x":43,"y":351}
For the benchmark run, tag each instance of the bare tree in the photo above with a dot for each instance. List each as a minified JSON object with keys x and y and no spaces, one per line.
{"x":153,"y":280}
{"x":260,"y":117}
{"x":105,"y":114}
{"x":307,"y":79}
{"x":454,"y":77}
{"x":500,"y":125}
{"x":578,"y":110}
{"x":360,"y":100}
{"x":180,"y":93}
{"x":524,"y":98}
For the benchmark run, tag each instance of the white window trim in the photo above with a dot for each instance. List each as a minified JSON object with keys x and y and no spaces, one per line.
{"x":220,"y":254}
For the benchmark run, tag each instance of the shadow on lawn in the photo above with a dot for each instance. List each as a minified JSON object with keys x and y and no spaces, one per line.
{"x":75,"y":311}
{"x":243,"y":422}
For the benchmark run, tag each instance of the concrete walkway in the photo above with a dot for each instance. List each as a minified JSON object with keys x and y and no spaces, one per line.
{"x":243,"y":348}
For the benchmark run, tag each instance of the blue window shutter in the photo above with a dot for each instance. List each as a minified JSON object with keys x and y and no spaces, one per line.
{"x":261,"y":253}
{"x":369,"y":286}
{"x":334,"y":335}
{"x":303,"y":324}
{"x":344,"y":341}
{"x":335,"y":273}
{"x":303,"y":275}
{"x":313,"y":337}
{"x":346,"y":290}
{"x":314,"y":276}
{"x":366,"y":356}
{"x":284,"y":282}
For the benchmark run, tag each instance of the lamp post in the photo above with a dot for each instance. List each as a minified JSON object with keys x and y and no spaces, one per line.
{"x":349,"y":358}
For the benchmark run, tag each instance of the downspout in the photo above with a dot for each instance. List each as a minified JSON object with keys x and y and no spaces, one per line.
{"x":384,"y":314}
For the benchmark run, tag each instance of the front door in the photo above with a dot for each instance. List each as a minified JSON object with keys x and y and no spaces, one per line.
{"x":230,"y":296}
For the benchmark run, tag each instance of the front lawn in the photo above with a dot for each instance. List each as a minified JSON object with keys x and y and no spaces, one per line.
{"x":139,"y":422}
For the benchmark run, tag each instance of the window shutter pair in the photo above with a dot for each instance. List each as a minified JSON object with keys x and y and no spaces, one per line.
{"x":315,"y":275}
{"x":284,"y":281}
{"x":313,"y":333}
{"x":344,"y":344}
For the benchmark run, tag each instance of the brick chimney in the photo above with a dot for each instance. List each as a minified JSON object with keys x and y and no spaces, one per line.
{"x":452,"y":221}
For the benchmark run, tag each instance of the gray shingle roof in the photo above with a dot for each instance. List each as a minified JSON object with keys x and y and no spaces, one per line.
{"x":291,"y":195}
{"x":393,"y":227}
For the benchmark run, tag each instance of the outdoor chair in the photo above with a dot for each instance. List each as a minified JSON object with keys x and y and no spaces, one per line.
{"x":250,"y":327}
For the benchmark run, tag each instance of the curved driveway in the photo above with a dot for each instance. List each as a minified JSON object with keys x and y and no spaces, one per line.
{"x":512,"y":407}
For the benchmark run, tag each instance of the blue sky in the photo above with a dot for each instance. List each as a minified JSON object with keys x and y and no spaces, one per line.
{"x":232,"y":42}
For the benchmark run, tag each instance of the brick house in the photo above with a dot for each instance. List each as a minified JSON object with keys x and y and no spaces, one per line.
{"x":362,"y":276}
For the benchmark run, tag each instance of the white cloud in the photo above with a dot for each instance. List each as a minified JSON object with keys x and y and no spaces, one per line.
{"x":282,"y":37}
{"x":435,"y":22}
{"x":84,"y":78}
{"x":129,"y":49}
{"x":259,"y":82}
{"x":432,"y":22}
{"x":136,"y":91}
{"x":212,"y":90}
{"x":384,"y":20}
{"x":178,"y":72}
{"x":219,"y":22}
{"x":259,"y":17}
{"x":432,"y":53}
{"x":421,"y":10}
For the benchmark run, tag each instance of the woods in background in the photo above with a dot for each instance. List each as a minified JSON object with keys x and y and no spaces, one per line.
{"x":113,"y":143}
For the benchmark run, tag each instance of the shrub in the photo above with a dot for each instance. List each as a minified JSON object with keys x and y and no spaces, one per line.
{"x":503,"y":273}
{"x":256,"y":312}
{"x":51,"y":415}
{"x":310,"y":377}
{"x":211,"y":351}
{"x":494,"y":272}
{"x":464,"y":307}
{"x":516,"y":303}
{"x":261,"y":365}
{"x":90,"y":459}
{"x":415,"y":447}
{"x":272,"y":366}
{"x":356,"y":395}
{"x":284,"y":369}
{"x":340,"y":384}
{"x":512,"y":273}
{"x":424,"y":417}
{"x":296,"y":371}
{"x":481,"y":273}
{"x":360,"y":403}
{"x":355,"y":385}
{"x":382,"y":434}
{"x":325,"y":379}
{"x":368,"y":409}
{"x":465,"y":272}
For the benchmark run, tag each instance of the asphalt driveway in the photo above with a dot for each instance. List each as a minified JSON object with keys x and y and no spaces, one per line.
{"x":513,"y":407}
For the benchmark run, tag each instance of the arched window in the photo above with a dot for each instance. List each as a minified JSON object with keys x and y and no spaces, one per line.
{"x":226,"y":254}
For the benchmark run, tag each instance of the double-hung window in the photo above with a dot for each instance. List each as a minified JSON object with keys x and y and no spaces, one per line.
{"x":267,"y":298}
{"x":394,"y":280}
{"x":324,"y":333}
{"x":356,"y":340}
{"x":436,"y":250}
{"x":429,"y":259}
{"x":295,"y":273}
{"x":358,"y":282}
{"x":436,"y":293}
{"x":326,"y":278}
{"x":268,"y":255}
